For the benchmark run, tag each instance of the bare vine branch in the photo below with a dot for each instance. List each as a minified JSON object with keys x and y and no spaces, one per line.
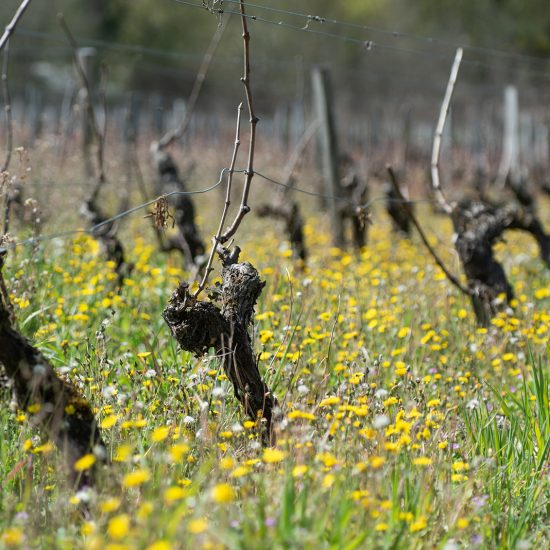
{"x":223,"y":237}
{"x":13,"y":23}
{"x":244,"y":209}
{"x":7,"y":109}
{"x":173,"y":135}
{"x":9,"y":140}
{"x":217,"y":239}
{"x":298,"y":152}
{"x":436,"y":150}
{"x":423,"y":237}
{"x":90,"y":112}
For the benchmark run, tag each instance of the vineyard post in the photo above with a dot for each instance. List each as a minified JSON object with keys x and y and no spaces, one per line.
{"x":510,"y":151}
{"x":324,"y":113}
{"x":88,"y":61}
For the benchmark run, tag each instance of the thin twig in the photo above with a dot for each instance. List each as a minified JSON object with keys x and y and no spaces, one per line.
{"x":294,"y":160}
{"x":100,"y":138}
{"x":217,"y":239}
{"x":7,"y":109}
{"x":244,"y":209}
{"x":436,"y":150}
{"x":424,"y":238}
{"x":178,"y":132}
{"x":9,"y":139}
{"x":13,"y":23}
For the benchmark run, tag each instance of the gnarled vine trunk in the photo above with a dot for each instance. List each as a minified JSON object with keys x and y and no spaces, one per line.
{"x":199,"y":326}
{"x":58,"y":409}
{"x":188,"y":240}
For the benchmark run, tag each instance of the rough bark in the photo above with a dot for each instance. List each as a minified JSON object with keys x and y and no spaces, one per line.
{"x":106,"y":235}
{"x":288,"y":210}
{"x":356,"y":195}
{"x":188,"y":240}
{"x":526,"y":218}
{"x":199,"y":326}
{"x":478,"y":226}
{"x":62,"y":413}
{"x":397,"y":211}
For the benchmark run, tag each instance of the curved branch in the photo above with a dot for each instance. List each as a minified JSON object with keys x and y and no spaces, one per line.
{"x":7,"y":109}
{"x":297,"y":155}
{"x":13,"y":23}
{"x":436,"y":150}
{"x":244,"y":209}
{"x":90,"y":112}
{"x":216,"y":241}
{"x":178,"y":132}
{"x":438,"y":261}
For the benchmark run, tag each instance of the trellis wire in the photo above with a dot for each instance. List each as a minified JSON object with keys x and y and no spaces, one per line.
{"x":137,"y":208}
{"x":367,"y":45}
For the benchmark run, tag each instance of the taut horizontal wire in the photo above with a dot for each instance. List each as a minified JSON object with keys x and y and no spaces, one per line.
{"x":395,"y":34}
{"x":373,"y":74}
{"x":118,"y":216}
{"x":90,"y":230}
{"x":166,"y":54}
{"x":367,"y":45}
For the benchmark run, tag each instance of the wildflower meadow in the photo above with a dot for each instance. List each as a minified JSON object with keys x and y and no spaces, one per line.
{"x":232,"y":334}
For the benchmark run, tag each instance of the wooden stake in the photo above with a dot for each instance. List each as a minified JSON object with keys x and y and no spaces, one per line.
{"x":324,"y":109}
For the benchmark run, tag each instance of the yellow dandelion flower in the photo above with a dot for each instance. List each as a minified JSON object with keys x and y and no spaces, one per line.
{"x":173,"y":494}
{"x":460,"y":466}
{"x":328,"y":481}
{"x":122,"y":453}
{"x":223,"y":493}
{"x":34,"y":408}
{"x":109,"y":421}
{"x":418,"y":525}
{"x":327,"y":401}
{"x":403,"y":332}
{"x":144,"y":511}
{"x":12,"y":537}
{"x":240,"y":471}
{"x":462,"y":523}
{"x":299,"y":471}
{"x":377,"y":462}
{"x":119,"y":526}
{"x":110,"y":505}
{"x":227,"y":463}
{"x":84,"y":463}
{"x":197,"y":526}
{"x":160,"y":434}
{"x":134,"y":479}
{"x":300,"y":414}
{"x":88,"y":528}
{"x":271,"y":456}
{"x":178,"y":451}
{"x":422,"y":461}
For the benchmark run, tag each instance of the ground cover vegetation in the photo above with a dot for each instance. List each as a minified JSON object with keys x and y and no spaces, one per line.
{"x":343,"y":398}
{"x":403,"y":423}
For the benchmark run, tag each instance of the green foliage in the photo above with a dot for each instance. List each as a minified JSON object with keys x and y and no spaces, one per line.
{"x":404,"y":426}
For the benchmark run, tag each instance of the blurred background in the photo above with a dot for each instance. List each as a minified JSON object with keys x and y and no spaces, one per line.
{"x":389,"y":63}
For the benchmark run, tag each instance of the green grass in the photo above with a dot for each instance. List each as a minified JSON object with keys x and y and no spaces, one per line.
{"x":437,"y":434}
